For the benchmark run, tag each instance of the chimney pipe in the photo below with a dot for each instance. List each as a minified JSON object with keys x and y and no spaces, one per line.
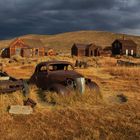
{"x":123,"y":37}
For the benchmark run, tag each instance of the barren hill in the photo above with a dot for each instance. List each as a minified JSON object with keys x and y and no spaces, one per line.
{"x":64,"y":41}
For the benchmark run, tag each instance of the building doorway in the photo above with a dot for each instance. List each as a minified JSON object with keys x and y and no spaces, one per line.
{"x":91,"y":53}
{"x":96,"y":52}
{"x":36,"y":52}
{"x":116,"y":49}
{"x":18,"y":51}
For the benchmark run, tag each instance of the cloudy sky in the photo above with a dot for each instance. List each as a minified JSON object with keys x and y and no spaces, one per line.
{"x":20,"y":17}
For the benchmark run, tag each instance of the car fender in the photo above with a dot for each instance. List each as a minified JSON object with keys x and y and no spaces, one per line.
{"x":92,"y":85}
{"x":60,"y":89}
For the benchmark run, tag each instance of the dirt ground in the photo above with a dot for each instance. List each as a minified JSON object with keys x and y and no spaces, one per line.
{"x":78,"y":117}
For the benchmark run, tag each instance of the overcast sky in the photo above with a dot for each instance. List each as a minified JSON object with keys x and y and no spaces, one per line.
{"x":20,"y":17}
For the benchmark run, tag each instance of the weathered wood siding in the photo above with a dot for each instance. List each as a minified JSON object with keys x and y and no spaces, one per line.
{"x":81,"y":52}
{"x":119,"y":48}
{"x":42,"y":51}
{"x":74,"y":50}
{"x":129,"y":48}
{"x":18,"y":47}
{"x":26,"y":52}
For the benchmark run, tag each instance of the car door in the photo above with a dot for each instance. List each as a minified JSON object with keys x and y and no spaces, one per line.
{"x":42,"y":77}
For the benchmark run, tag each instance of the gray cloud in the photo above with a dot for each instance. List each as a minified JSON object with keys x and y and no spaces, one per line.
{"x":20,"y":17}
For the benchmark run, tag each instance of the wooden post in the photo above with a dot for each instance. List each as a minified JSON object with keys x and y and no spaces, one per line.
{"x":1,"y":67}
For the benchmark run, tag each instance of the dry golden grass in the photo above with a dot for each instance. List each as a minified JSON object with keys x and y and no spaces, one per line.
{"x":125,"y":72}
{"x":97,"y":122}
{"x":77,"y":117}
{"x":107,"y":62}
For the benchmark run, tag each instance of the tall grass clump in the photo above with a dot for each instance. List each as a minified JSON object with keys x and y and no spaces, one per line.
{"x":90,"y":97}
{"x":126,"y":72}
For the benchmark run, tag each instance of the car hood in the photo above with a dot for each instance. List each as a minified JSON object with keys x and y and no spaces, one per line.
{"x":67,"y":74}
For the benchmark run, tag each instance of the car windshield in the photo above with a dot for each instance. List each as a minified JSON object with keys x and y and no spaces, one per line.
{"x":55,"y":67}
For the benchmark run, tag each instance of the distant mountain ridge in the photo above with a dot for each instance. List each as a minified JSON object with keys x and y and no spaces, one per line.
{"x":64,"y":41}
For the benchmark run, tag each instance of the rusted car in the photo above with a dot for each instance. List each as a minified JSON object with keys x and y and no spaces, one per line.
{"x":58,"y":76}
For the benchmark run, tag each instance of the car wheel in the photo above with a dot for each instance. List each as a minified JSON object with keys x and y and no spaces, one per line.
{"x":70,"y":83}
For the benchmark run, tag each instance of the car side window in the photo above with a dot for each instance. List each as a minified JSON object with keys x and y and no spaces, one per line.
{"x":51,"y":68}
{"x":43,"y":69}
{"x":68,"y":67}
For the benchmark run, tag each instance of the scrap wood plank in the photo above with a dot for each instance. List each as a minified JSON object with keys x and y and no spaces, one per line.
{"x":6,"y":90}
{"x":20,"y":109}
{"x":11,"y":83}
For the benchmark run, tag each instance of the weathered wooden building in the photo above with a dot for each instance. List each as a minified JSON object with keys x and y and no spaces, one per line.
{"x":124,"y":47}
{"x":25,"y":48}
{"x":85,"y":50}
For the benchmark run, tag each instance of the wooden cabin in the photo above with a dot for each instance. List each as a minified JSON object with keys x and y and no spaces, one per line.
{"x":124,"y":47}
{"x":25,"y":48}
{"x":85,"y":50}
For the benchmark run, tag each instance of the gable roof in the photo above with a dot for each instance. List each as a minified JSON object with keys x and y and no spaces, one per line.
{"x":29,"y":43}
{"x":82,"y":46}
{"x":127,"y":42}
{"x":33,"y":43}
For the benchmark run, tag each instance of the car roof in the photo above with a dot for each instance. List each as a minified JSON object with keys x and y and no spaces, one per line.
{"x":54,"y":62}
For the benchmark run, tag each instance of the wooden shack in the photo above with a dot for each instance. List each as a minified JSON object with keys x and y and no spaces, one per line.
{"x":25,"y":48}
{"x":85,"y":50}
{"x":124,"y":47}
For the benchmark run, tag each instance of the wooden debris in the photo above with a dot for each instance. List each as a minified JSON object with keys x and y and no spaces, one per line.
{"x":126,"y":63}
{"x":19,"y":109}
{"x":30,"y":102}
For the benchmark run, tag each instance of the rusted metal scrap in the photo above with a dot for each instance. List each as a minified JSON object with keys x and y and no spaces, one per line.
{"x":9,"y":84}
{"x":29,"y":102}
{"x":58,"y":76}
{"x":122,"y":98}
{"x":127,"y":63}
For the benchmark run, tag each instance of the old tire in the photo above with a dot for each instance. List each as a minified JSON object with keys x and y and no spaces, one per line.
{"x":70,"y":83}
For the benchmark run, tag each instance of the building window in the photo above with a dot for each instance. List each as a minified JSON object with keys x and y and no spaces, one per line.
{"x":36,"y":51}
{"x":132,"y":52}
{"x":126,"y":52}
